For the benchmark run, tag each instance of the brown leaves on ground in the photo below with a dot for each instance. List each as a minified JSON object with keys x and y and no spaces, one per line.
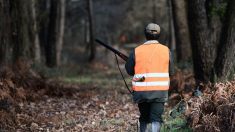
{"x":212,"y":112}
{"x":81,"y":113}
{"x":31,"y":103}
{"x":215,"y":110}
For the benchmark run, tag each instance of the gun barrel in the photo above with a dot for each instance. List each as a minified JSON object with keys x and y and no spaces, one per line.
{"x":124,"y":57}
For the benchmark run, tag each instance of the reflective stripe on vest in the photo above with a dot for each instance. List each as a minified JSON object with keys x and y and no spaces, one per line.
{"x":152,"y":62}
{"x":146,"y":75}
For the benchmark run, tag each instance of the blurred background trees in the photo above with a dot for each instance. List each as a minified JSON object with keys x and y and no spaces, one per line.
{"x":56,"y":25}
{"x":182,"y":36}
{"x":62,"y":32}
{"x":4,"y":30}
{"x":47,"y":50}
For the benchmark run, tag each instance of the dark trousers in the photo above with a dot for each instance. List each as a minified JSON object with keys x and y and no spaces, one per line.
{"x":151,"y":111}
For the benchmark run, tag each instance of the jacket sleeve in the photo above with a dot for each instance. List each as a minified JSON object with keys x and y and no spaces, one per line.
{"x":171,"y":64}
{"x":130,"y":64}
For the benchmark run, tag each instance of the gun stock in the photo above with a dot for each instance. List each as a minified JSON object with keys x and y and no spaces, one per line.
{"x":121,"y":55}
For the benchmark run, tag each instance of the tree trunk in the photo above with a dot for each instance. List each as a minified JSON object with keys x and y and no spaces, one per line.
{"x":4,"y":30}
{"x":213,"y":50}
{"x":56,"y":33}
{"x":50,"y":47}
{"x":202,"y":47}
{"x":35,"y":46}
{"x":92,"y":47}
{"x":171,"y":28}
{"x":183,"y":48}
{"x":61,"y":31}
{"x":225,"y":57}
{"x":43,"y":20}
{"x":20,"y":32}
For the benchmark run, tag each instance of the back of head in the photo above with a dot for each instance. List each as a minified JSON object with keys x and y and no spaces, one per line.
{"x":152,"y":31}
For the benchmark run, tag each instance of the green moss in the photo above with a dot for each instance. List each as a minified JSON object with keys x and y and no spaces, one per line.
{"x":178,"y":124}
{"x":218,"y":9}
{"x":80,"y":80}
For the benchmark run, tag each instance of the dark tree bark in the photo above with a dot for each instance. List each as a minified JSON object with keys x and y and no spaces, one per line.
{"x":225,"y":58}
{"x":61,"y":33}
{"x":4,"y":30}
{"x":56,"y":33}
{"x":20,"y":29}
{"x":183,"y":48}
{"x":202,"y":48}
{"x":171,"y":27}
{"x":50,"y":48}
{"x":92,"y":47}
{"x":204,"y":35}
{"x":212,"y":49}
{"x":43,"y":20}
{"x":34,"y":37}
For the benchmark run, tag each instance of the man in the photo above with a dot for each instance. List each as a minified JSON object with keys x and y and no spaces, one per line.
{"x":150,"y":64}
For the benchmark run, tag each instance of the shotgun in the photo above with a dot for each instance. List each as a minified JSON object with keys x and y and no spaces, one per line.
{"x":116,"y":52}
{"x":124,"y":57}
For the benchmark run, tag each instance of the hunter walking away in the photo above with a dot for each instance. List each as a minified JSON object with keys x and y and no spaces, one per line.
{"x":120,"y":65}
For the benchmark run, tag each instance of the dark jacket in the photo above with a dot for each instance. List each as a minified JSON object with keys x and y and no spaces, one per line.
{"x":148,"y":96}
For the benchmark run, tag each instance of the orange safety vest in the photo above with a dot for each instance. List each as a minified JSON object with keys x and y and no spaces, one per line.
{"x":152,"y":63}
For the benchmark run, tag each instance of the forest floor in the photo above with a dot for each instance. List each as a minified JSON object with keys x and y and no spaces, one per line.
{"x":92,"y":100}
{"x":98,"y":102}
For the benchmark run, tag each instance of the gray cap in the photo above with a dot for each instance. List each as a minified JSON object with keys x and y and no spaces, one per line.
{"x":153,"y":28}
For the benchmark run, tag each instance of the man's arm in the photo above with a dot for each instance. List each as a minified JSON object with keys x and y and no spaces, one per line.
{"x":171,"y":64}
{"x":130,"y":64}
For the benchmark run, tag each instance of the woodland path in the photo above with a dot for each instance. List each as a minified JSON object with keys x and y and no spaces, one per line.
{"x":92,"y":102}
